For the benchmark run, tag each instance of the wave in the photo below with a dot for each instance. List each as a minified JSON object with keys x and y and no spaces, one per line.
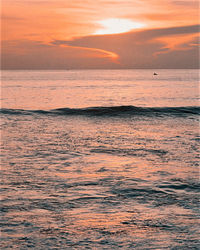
{"x":110,"y":111}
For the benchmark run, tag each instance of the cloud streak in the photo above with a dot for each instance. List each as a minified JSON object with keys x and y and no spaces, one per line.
{"x":174,"y":47}
{"x":143,"y":49}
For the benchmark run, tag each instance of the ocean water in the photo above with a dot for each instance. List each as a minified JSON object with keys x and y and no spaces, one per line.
{"x":100,"y":159}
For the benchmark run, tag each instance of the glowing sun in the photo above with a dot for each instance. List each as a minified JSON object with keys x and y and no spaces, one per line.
{"x":117,"y":25}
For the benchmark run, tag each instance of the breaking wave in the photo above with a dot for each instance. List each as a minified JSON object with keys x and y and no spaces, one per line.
{"x":110,"y":111}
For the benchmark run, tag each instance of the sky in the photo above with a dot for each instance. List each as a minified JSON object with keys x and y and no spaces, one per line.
{"x":100,"y":34}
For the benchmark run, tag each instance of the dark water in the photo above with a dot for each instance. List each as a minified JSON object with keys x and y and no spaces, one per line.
{"x":95,"y":176}
{"x":128,"y":111}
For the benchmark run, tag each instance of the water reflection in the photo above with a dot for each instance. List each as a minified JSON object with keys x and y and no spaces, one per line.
{"x":99,"y":182}
{"x":79,"y":182}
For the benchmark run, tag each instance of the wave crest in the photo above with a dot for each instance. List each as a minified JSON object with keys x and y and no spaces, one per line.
{"x":110,"y":111}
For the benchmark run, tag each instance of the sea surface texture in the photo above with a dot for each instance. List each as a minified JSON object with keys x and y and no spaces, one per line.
{"x":100,"y":159}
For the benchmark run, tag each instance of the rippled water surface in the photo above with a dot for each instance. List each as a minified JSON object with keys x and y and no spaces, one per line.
{"x":100,"y":159}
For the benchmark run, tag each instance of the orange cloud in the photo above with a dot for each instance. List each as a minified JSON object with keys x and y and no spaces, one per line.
{"x":62,"y":29}
{"x":178,"y":42}
{"x":94,"y":52}
{"x":60,"y":19}
{"x":36,"y":55}
{"x":137,"y":49}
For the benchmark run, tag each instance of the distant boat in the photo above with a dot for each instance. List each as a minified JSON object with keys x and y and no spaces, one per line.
{"x":155,"y":74}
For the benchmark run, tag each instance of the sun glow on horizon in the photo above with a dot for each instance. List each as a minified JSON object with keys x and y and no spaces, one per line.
{"x":116,"y":26}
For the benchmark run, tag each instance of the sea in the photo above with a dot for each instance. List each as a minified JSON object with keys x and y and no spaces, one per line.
{"x":100,"y":159}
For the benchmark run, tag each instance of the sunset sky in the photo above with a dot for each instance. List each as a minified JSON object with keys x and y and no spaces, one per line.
{"x":84,"y":34}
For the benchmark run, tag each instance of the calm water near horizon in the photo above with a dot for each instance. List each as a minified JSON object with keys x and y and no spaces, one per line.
{"x":100,"y":159}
